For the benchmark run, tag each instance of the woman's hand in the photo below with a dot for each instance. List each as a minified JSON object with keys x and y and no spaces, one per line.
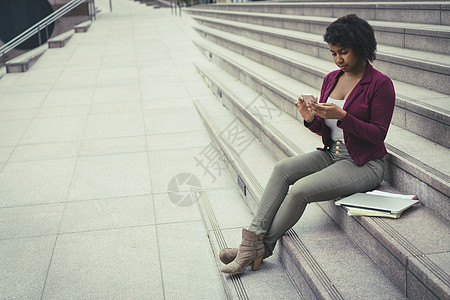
{"x":302,"y":107}
{"x":326,"y":110}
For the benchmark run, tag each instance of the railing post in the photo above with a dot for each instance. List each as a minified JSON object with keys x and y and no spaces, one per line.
{"x":39,"y":35}
{"x":95,"y":10}
{"x":90,"y":10}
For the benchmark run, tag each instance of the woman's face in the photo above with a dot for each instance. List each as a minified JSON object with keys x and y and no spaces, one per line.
{"x":345,"y":58}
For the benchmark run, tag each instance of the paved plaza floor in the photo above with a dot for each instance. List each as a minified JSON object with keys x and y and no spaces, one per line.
{"x":100,"y":144}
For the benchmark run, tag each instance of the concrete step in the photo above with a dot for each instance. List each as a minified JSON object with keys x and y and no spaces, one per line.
{"x":23,"y":63}
{"x":420,"y":110}
{"x":423,"y":12}
{"x":414,"y":35}
{"x":82,"y":27}
{"x":155,"y":3}
{"x":224,"y":232}
{"x":164,"y":3}
{"x":317,"y":269}
{"x":431,"y":72}
{"x":411,"y":168}
{"x":393,"y":244}
{"x":401,"y":64}
{"x":60,"y":40}
{"x":299,"y":1}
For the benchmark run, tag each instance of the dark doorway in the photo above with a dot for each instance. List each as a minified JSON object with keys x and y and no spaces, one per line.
{"x":16,"y":16}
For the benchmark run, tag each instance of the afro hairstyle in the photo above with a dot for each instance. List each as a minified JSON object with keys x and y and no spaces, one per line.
{"x":353,"y":32}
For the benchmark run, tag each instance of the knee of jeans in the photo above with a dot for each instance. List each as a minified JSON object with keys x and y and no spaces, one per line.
{"x":280,"y":167}
{"x":299,"y":196}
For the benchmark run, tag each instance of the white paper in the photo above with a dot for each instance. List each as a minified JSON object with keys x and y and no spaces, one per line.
{"x":381,"y":193}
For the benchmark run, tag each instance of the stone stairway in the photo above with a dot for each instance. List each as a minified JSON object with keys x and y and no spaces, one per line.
{"x":155,"y":3}
{"x":23,"y":62}
{"x":262,"y":56}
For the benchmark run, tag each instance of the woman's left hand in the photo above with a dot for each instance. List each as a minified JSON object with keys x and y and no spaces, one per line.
{"x":327,"y":110}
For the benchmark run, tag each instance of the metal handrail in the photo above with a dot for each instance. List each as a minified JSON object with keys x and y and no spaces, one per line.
{"x":43,"y":24}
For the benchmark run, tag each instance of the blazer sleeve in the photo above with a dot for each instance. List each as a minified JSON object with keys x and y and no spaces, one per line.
{"x":381,"y":109}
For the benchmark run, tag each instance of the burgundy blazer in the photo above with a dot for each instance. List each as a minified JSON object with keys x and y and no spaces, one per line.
{"x":369,"y":110}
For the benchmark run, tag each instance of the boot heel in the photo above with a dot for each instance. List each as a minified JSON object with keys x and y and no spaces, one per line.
{"x":257,"y":263}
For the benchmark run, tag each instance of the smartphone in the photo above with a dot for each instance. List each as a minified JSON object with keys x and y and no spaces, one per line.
{"x":308,"y":98}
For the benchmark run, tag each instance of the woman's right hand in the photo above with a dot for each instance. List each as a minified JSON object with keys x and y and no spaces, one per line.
{"x":307,"y":115}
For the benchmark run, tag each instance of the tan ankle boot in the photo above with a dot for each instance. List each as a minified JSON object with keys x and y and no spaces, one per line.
{"x":251,"y":251}
{"x":227,"y":255}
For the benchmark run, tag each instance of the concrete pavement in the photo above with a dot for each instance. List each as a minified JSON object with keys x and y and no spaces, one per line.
{"x":100,"y":145}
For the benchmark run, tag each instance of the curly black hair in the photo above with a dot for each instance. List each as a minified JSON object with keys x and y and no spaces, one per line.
{"x":353,"y":32}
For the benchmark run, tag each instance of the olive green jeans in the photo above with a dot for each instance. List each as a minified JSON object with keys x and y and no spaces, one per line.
{"x":316,"y":176}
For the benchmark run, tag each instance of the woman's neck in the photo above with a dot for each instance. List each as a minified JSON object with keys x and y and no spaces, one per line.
{"x":357,"y":73}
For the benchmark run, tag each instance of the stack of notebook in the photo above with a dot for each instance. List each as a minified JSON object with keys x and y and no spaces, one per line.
{"x":377,"y":204}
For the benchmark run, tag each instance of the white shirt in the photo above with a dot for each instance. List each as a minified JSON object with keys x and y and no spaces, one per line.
{"x":336,"y":132}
